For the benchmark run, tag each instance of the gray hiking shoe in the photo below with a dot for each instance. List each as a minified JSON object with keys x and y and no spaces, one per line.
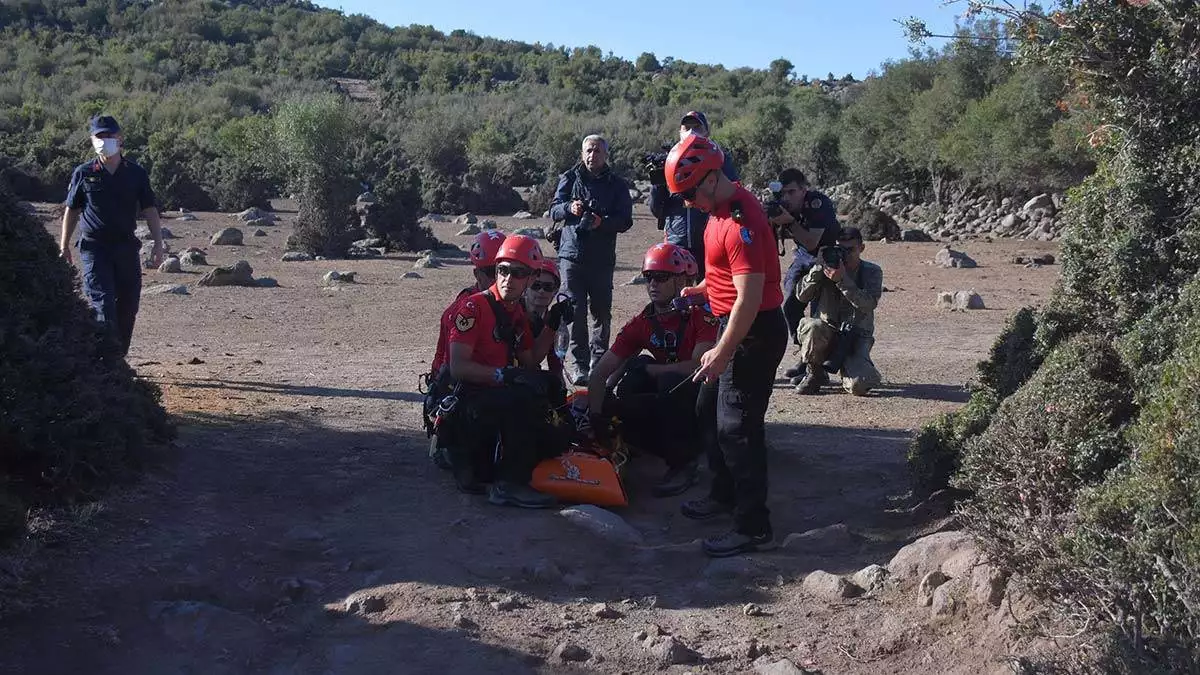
{"x":505,"y":493}
{"x":677,"y":481}
{"x":735,"y":543}
{"x":704,"y":508}
{"x":813,"y":381}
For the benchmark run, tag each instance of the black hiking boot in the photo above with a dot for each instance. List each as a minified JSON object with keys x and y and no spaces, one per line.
{"x":468,"y":481}
{"x":795,"y":371}
{"x":734,"y":543}
{"x":677,"y":481}
{"x":505,"y":493}
{"x":705,"y":508}
{"x":812,"y":383}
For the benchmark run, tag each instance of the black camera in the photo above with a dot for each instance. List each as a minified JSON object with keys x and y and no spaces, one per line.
{"x":591,"y":206}
{"x":772,"y":205}
{"x":843,"y":347}
{"x":654,"y":165}
{"x":833,"y":256}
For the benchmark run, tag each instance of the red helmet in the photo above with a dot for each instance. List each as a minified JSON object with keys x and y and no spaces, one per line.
{"x":665,"y":258}
{"x":550,"y":267}
{"x":521,"y":249}
{"x":693,"y":268}
{"x":485,"y":247}
{"x":690,"y":161}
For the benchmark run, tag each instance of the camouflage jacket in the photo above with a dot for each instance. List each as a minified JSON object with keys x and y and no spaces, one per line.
{"x":853,"y":299}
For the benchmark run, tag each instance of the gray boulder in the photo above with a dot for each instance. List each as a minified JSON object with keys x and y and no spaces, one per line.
{"x":960,"y":301}
{"x":466,"y":219}
{"x":239,"y":274}
{"x":260,"y":233}
{"x":1042,"y":201}
{"x":230,"y":236}
{"x":333,"y":278}
{"x":468,"y":231}
{"x":522,"y":215}
{"x":187,"y":217}
{"x":296,"y":256}
{"x":193,"y":257}
{"x":170,"y":265}
{"x":822,"y":584}
{"x":487,"y":224}
{"x":427,"y":262}
{"x":914,"y":235}
{"x":948,"y":257}
{"x":253,"y":214}
{"x":605,"y":524}
{"x":535,"y":232}
{"x":165,"y":289}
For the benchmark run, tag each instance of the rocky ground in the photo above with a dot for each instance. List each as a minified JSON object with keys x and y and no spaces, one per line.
{"x":299,"y":528}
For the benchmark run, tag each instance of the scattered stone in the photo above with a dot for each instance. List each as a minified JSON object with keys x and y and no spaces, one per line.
{"x":260,"y":233}
{"x":959,"y":301}
{"x":195,"y":361}
{"x":468,"y":231}
{"x":411,"y":275}
{"x":466,"y":219}
{"x":1042,"y":201}
{"x":187,"y":217}
{"x":333,"y":277}
{"x":601,"y":610}
{"x":463,"y":622}
{"x":252,"y":214}
{"x":507,"y":604}
{"x":780,"y":667}
{"x":945,"y":600}
{"x":365,"y":604}
{"x":230,"y":236}
{"x":371,"y":242}
{"x":1023,"y":259}
{"x":927,"y":554}
{"x":637,"y":280}
{"x":535,"y":232}
{"x":948,"y":257}
{"x":260,"y":222}
{"x":356,"y":252}
{"x":267,"y":282}
{"x":427,"y":262}
{"x":604,"y":524}
{"x":296,"y":256}
{"x":669,"y":651}
{"x":821,"y":540}
{"x":570,"y":652}
{"x":988,"y":585}
{"x":487,"y":224}
{"x":822,"y":584}
{"x":929,"y":584}
{"x":912,"y":234}
{"x":147,"y":255}
{"x":143,"y":233}
{"x":165,"y":289}
{"x":522,"y":215}
{"x":171,"y":265}
{"x":870,"y":578}
{"x":751,"y":609}
{"x":239,"y":274}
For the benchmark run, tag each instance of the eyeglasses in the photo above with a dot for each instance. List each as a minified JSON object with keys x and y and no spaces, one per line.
{"x":543,"y":287}
{"x":658,"y":277}
{"x":514,"y":271}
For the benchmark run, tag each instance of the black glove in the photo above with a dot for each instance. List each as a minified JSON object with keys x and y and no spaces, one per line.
{"x":561,"y":312}
{"x":524,"y":377}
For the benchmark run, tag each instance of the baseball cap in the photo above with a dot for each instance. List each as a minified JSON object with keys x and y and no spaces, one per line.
{"x":695,"y":115}
{"x":104,"y":124}
{"x":850,"y":234}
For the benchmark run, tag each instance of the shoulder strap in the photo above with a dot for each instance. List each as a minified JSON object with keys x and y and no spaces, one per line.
{"x":672,"y":346}
{"x":504,"y":326}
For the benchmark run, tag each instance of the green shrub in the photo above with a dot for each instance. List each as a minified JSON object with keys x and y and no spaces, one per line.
{"x":74,"y":417}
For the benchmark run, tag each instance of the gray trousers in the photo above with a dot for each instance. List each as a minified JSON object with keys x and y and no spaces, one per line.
{"x":592,"y":288}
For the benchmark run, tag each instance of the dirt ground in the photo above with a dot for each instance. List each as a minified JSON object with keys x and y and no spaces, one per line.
{"x":300,"y":480}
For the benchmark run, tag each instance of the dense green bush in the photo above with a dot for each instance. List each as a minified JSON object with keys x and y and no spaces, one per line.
{"x":73,"y":418}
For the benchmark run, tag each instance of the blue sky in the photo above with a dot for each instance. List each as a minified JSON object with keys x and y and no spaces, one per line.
{"x":817,"y":36}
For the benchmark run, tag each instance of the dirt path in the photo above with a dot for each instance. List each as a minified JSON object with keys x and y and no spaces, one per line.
{"x":300,"y":480}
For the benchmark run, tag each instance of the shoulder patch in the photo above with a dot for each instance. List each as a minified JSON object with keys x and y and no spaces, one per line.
{"x":464,"y":323}
{"x":815,"y":203}
{"x":746,"y":236}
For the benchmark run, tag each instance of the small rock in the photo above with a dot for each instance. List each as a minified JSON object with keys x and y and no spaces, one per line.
{"x":165,"y":289}
{"x":466,"y":219}
{"x":927,"y":554}
{"x":522,"y":215}
{"x":915,"y":235}
{"x":187,"y":217}
{"x":252,"y":214}
{"x":535,"y":232}
{"x":267,"y":282}
{"x":463,"y":622}
{"x":948,"y":257}
{"x":411,"y":275}
{"x":822,"y":584}
{"x":569,"y":652}
{"x":751,"y":609}
{"x":468,"y":231}
{"x":260,"y":233}
{"x":601,"y":610}
{"x":1042,"y":201}
{"x":929,"y":584}
{"x":487,"y":224}
{"x":333,"y":278}
{"x":365,"y":604}
{"x":959,"y":301}
{"x":870,"y":578}
{"x":637,"y":280}
{"x":427,"y":262}
{"x":193,"y":258}
{"x":640,"y":636}
{"x":945,"y":599}
{"x":507,"y":604}
{"x":821,"y":540}
{"x":260,"y":222}
{"x":669,"y":651}
{"x":239,"y":274}
{"x":195,"y":361}
{"x":230,"y":236}
{"x":296,"y":256}
{"x":605,"y":524}
{"x":988,"y":585}
{"x":171,"y":264}
{"x":780,"y":667}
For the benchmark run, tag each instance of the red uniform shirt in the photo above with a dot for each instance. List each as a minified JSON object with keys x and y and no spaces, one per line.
{"x":475,"y":324}
{"x":638,"y":334}
{"x":441,"y":356}
{"x":732,"y":248}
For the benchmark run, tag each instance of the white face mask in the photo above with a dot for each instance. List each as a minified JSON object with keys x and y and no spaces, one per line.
{"x":106,"y":147}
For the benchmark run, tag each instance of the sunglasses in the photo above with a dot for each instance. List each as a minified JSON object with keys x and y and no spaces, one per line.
{"x":514,"y":271}
{"x":658,"y":277}
{"x":543,"y":287}
{"x":488,"y":271}
{"x":690,"y":193}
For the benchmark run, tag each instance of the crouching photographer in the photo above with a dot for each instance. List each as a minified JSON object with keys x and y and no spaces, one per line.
{"x":839,"y":338}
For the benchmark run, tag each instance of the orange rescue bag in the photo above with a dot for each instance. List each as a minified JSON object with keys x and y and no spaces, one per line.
{"x":582,"y":478}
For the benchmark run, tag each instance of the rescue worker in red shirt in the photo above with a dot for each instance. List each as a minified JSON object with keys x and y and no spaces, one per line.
{"x":548,"y":311}
{"x":742,"y":283}
{"x":436,"y":383}
{"x":502,"y":396}
{"x":655,"y":399}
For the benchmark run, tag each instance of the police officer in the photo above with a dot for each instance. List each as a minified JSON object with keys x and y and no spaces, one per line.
{"x":655,"y":398}
{"x":681,"y":225}
{"x":743,"y":290}
{"x":108,"y":194}
{"x":812,"y":220}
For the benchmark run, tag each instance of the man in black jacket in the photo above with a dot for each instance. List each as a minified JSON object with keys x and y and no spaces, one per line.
{"x":592,"y":205}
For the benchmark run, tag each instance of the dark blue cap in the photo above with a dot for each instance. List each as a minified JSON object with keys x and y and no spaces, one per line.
{"x":102,"y":124}
{"x":698,"y":116}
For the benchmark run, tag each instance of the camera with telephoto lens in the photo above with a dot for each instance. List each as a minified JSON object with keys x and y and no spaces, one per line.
{"x":832,"y":256}
{"x":590,"y":207}
{"x":843,"y":347}
{"x":772,"y":205}
{"x":654,"y":165}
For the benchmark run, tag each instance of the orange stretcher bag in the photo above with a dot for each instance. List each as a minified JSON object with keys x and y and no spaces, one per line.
{"x":581,"y":478}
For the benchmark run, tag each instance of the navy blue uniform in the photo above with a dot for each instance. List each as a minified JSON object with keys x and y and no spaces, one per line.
{"x":683,"y":226}
{"x":108,"y":248}
{"x":818,"y":212}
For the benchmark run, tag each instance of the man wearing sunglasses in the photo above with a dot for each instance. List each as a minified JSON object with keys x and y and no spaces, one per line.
{"x":502,"y":428}
{"x":593,"y":205}
{"x":437,"y":381}
{"x":655,"y":399}
{"x":548,"y":311}
{"x":743,"y":288}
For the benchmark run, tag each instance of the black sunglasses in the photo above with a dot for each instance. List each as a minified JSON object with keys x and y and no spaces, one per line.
{"x":690,"y":193}
{"x":659,"y":277}
{"x":547,"y":286}
{"x":514,"y":271}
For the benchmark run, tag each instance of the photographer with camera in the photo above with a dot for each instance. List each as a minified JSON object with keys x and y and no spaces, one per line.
{"x":591,"y":207}
{"x":840,"y":337}
{"x":681,"y":225}
{"x":809,"y":218}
